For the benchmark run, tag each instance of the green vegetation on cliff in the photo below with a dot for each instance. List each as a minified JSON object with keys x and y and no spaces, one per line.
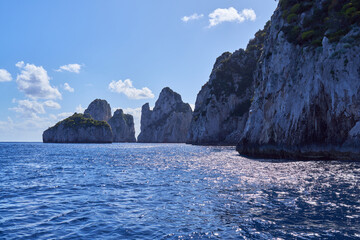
{"x":78,"y":120}
{"x":331,"y":18}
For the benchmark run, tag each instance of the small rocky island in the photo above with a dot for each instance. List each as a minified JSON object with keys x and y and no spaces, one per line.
{"x":96,"y":125}
{"x":79,"y":128}
{"x":168,"y":122}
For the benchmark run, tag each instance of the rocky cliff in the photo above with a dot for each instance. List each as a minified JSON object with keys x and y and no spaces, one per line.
{"x":168,"y":122}
{"x":87,"y":128}
{"x":79,"y":128}
{"x":122,"y":126}
{"x":99,"y":110}
{"x":222,"y":105}
{"x":306,"y":102}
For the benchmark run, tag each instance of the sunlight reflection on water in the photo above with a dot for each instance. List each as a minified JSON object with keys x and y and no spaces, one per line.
{"x":166,"y":191}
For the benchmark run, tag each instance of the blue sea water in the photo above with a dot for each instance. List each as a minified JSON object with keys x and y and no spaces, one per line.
{"x":171,"y":191}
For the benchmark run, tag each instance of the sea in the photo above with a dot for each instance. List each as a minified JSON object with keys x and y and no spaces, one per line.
{"x":172,"y":191}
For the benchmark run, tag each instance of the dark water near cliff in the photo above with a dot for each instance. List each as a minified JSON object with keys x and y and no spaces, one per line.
{"x":152,"y":191}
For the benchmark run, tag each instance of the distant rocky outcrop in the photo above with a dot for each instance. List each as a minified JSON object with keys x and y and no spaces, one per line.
{"x":96,"y":125}
{"x":122,"y":126}
{"x":306,"y":102}
{"x":79,"y":128}
{"x":222,"y":105}
{"x":168,"y":122}
{"x":99,"y":110}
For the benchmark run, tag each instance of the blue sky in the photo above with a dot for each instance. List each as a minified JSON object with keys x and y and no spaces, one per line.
{"x":58,"y":56}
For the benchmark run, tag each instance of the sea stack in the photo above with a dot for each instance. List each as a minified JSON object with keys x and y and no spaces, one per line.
{"x":168,"y":122}
{"x":122,"y":126}
{"x":306,"y":101}
{"x":79,"y":128}
{"x":96,"y":125}
{"x":99,"y":110}
{"x":223,"y":103}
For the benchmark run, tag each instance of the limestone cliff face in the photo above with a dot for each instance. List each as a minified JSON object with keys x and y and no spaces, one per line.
{"x":87,"y":128}
{"x":79,"y":128}
{"x":168,"y":122}
{"x":99,"y":110}
{"x":307,"y":84}
{"x":223,"y":103}
{"x":122,"y":126}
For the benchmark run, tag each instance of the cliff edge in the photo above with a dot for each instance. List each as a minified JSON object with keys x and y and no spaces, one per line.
{"x":306,"y":102}
{"x":223,"y":103}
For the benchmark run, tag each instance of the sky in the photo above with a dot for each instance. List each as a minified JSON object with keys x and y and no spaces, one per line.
{"x":57,"y":56}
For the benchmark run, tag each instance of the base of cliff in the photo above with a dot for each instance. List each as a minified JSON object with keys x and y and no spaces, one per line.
{"x":305,"y":152}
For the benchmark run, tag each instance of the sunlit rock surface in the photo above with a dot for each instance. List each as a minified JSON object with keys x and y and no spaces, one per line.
{"x":168,"y":122}
{"x":79,"y":128}
{"x":99,"y":110}
{"x":122,"y":126}
{"x":306,"y":102}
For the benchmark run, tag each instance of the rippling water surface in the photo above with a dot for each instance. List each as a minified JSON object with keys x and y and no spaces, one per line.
{"x":171,"y":191}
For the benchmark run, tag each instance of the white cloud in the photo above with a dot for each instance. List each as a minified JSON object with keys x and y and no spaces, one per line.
{"x":5,"y":76}
{"x":20,"y":64}
{"x":192,"y":106}
{"x":28,"y":129}
{"x":75,"y":68}
{"x":131,"y":92}
{"x":230,"y":15}
{"x":31,"y":109}
{"x":60,"y":116}
{"x":80,"y":109}
{"x":51,"y":104}
{"x":195,"y":16}
{"x":68,"y":88}
{"x":35,"y":82}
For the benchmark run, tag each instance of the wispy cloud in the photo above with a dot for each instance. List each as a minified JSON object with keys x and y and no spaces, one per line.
{"x":195,"y":16}
{"x":30,"y":128}
{"x":75,"y":68}
{"x":221,"y":15}
{"x":68,"y":88}
{"x":35,"y":82}
{"x":5,"y":76}
{"x":31,"y":108}
{"x":80,"y":109}
{"x":126,"y":87}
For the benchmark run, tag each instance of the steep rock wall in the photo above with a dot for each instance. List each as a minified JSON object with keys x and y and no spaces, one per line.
{"x":122,"y":126}
{"x":168,"y":122}
{"x":307,"y":86}
{"x":223,"y":103}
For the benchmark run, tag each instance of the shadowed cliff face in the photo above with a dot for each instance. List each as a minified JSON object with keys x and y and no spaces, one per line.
{"x":99,"y":110}
{"x":223,"y":103}
{"x":306,"y":93}
{"x":168,"y":122}
{"x":122,"y":126}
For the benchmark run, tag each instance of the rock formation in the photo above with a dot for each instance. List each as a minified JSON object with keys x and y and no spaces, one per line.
{"x":122,"y":126}
{"x":79,"y":128}
{"x":223,"y":103}
{"x":99,"y":110}
{"x":95,"y":126}
{"x":168,"y":122}
{"x":306,"y":102}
